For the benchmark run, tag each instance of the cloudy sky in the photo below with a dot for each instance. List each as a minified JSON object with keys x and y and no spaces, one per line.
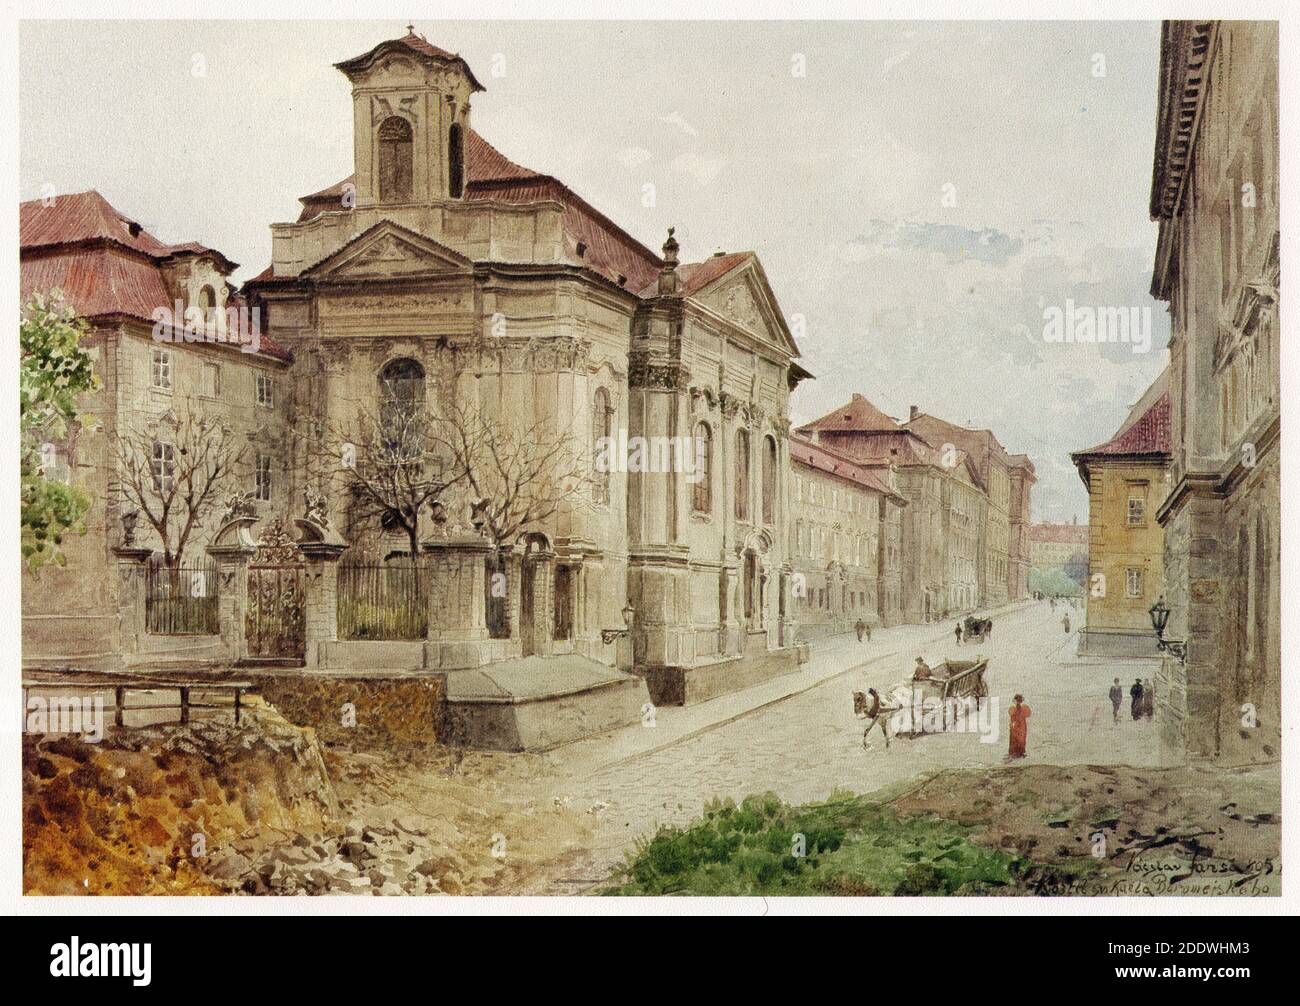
{"x":920,"y":194}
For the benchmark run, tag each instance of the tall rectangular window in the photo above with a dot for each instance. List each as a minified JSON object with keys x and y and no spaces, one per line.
{"x":266,"y":390}
{"x":742,"y":475}
{"x":769,"y":480}
{"x":163,"y":466}
{"x":161,"y":369}
{"x":1137,"y":507}
{"x":210,"y":387}
{"x":1133,"y":583}
{"x":262,"y":475}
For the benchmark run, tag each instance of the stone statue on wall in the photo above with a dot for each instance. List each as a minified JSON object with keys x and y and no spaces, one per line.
{"x":239,"y":504}
{"x":316,"y":507}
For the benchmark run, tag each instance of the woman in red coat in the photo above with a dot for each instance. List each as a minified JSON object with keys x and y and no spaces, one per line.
{"x":1019,"y":728}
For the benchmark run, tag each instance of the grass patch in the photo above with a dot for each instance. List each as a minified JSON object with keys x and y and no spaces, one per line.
{"x":852,"y":845}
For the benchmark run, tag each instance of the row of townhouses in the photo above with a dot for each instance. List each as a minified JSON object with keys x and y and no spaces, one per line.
{"x":247,"y":510}
{"x":1185,"y":505}
{"x":940,"y":512}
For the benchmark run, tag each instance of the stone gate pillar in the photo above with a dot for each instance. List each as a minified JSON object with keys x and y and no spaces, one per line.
{"x":321,"y":549}
{"x":455,"y":575}
{"x":132,"y":572}
{"x":232,"y":548}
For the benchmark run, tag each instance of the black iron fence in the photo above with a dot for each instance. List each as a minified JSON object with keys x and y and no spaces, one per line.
{"x":382,"y":601}
{"x":181,"y":600}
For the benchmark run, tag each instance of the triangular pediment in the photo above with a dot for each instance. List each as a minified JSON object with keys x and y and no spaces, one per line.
{"x":389,"y":251}
{"x":744,"y":298}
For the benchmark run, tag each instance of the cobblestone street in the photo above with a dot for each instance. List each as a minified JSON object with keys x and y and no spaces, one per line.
{"x":806,"y":745}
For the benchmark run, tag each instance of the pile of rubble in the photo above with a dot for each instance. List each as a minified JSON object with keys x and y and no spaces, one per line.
{"x":364,"y":859}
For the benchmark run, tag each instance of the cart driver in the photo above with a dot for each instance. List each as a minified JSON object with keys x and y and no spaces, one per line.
{"x":922,"y":672}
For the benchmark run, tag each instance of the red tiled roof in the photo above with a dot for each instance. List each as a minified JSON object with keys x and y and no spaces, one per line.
{"x":97,"y":282}
{"x":607,"y":248}
{"x":900,"y":447}
{"x":413,"y":43}
{"x":818,"y":457}
{"x":695,"y":276}
{"x":979,"y":444}
{"x":857,"y":416}
{"x":105,"y":265}
{"x":81,"y":216}
{"x":1149,"y":435}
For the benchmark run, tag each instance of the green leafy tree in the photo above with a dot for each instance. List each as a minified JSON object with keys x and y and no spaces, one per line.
{"x":55,"y":370}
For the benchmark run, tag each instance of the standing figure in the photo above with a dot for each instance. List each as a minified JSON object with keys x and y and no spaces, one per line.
{"x":1136,"y":693}
{"x":1148,"y":699}
{"x":1066,"y":622}
{"x":958,"y":632}
{"x":1019,"y":728}
{"x":860,"y":629}
{"x":1116,"y":698}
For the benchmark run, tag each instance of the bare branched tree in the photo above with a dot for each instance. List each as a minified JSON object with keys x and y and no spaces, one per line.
{"x":174,"y":472}
{"x":518,"y":473}
{"x":394,"y":465}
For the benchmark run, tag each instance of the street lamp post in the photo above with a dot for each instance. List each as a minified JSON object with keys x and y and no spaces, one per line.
{"x":1159,"y":619}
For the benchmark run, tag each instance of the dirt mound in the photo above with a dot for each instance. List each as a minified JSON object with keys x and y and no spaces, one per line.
{"x":155,"y":810}
{"x":1092,"y":829}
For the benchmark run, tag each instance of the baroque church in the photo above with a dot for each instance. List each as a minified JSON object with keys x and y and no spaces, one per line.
{"x":441,"y":263}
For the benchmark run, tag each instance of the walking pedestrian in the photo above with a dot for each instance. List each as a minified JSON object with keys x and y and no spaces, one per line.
{"x":1148,"y":699}
{"x":1116,"y":697}
{"x":861,"y":629}
{"x":1066,"y":622}
{"x":1019,"y":728}
{"x":1136,"y":693}
{"x":958,"y":633}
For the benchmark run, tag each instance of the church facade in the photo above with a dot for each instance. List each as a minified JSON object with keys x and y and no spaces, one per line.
{"x":441,"y":272}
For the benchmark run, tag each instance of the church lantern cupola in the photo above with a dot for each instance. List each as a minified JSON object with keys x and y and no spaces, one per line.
{"x":410,"y":104}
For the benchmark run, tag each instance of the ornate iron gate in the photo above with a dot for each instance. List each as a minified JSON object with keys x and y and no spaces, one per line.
{"x":274,"y":622}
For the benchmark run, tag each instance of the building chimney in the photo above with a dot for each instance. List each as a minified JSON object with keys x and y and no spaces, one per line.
{"x":913,"y":413}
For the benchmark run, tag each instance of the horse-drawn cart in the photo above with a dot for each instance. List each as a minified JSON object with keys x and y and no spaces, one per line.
{"x":977,"y":630}
{"x":949,"y":683}
{"x":937,"y":695}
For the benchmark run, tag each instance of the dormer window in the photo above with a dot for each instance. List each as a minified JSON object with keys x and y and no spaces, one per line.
{"x":396,"y":150}
{"x":207,"y":300}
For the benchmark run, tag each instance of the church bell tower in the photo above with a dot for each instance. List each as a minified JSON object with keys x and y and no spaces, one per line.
{"x":410,"y":121}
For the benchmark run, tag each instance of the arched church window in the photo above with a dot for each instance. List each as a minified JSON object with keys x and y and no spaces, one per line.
{"x":401,"y":399}
{"x":396,"y":152}
{"x":455,"y":161}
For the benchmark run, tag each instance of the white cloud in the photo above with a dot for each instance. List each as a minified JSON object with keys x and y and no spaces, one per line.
{"x":632,"y":156}
{"x":676,"y":120}
{"x":702,"y":169}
